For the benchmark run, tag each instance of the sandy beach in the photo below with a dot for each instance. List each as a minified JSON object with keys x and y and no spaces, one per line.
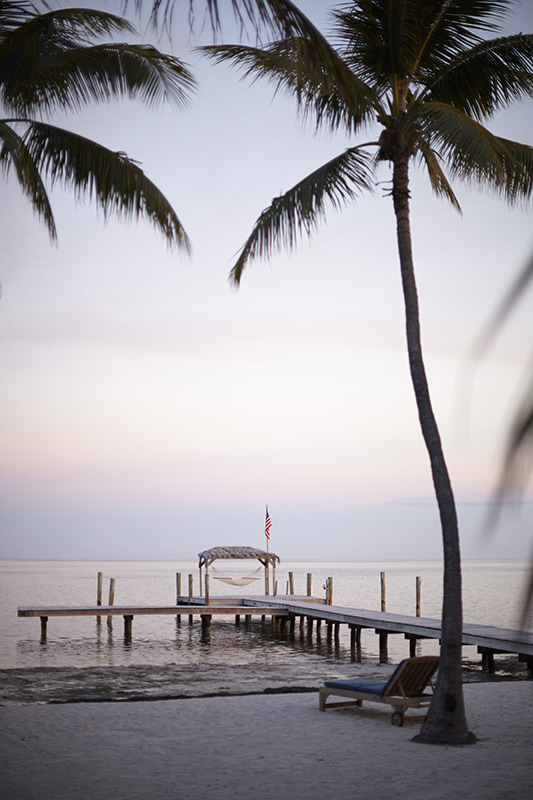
{"x":261,"y":747}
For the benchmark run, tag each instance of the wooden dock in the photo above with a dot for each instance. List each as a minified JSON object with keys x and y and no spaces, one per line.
{"x":311,"y":611}
{"x":129,"y":612}
{"x":489,"y":640}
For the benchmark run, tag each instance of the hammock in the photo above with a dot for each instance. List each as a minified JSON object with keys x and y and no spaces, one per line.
{"x":244,"y":581}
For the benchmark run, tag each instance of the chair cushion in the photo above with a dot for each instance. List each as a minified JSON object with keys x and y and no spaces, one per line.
{"x":358,"y":685}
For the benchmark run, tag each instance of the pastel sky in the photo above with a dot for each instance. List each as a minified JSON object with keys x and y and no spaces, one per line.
{"x":149,"y":410}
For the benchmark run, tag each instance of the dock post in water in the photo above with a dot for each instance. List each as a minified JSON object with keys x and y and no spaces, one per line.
{"x":111,"y":600}
{"x":178,"y":593}
{"x":99,"y":585}
{"x":291,"y":582}
{"x":383,"y":638}
{"x":191,"y":588}
{"x":383,"y":647}
{"x":355,"y":642}
{"x":44,"y":620}
{"x":128,"y":621}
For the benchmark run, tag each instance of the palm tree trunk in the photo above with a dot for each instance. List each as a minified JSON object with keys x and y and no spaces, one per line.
{"x":445,"y":722}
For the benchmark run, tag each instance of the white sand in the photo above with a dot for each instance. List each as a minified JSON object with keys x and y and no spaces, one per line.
{"x":267,"y":747}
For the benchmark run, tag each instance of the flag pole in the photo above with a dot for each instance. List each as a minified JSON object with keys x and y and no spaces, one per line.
{"x":267,"y":527}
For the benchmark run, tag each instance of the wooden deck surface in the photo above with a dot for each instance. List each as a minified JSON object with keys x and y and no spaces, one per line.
{"x":133,"y":611}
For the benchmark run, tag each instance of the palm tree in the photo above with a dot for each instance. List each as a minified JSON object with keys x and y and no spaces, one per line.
{"x":422,"y":71}
{"x":51,"y":62}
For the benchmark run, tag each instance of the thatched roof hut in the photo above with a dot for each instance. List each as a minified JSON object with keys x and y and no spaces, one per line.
{"x":206,"y":558}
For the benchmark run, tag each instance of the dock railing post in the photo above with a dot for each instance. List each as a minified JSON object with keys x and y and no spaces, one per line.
{"x":206,"y":588}
{"x":418,"y":593}
{"x":383,"y":603}
{"x":309,"y":584}
{"x":99,"y":585}
{"x":329,"y":591}
{"x":111,"y":600}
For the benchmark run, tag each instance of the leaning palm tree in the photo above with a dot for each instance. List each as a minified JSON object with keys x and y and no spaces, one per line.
{"x":425,"y":74}
{"x":54,"y":61}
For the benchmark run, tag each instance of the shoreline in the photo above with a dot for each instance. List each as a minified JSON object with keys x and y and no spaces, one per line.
{"x":138,"y":683}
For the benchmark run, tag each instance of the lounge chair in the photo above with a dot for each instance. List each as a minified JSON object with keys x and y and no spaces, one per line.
{"x":404,"y":689}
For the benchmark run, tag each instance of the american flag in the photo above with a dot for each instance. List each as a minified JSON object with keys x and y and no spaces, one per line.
{"x":268,"y":524}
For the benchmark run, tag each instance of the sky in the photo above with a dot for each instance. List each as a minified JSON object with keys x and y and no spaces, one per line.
{"x":151,"y":411}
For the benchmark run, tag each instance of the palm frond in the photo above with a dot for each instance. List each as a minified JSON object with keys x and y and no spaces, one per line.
{"x":15,"y":156}
{"x":296,"y":67}
{"x":302,"y":208}
{"x":278,"y":17}
{"x":12,"y":14}
{"x":516,"y":461}
{"x":381,"y":39}
{"x":472,"y":152}
{"x":516,"y":467}
{"x":487,"y":77}
{"x":115,"y":182}
{"x":43,"y":66}
{"x":437,"y":178}
{"x":510,"y":300}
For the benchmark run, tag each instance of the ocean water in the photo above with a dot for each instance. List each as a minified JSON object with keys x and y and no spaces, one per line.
{"x":82,"y":660}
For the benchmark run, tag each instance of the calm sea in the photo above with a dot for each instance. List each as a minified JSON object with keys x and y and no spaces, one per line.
{"x":83,"y":660}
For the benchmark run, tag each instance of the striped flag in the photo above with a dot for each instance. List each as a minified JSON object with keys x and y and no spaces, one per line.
{"x":268,"y":524}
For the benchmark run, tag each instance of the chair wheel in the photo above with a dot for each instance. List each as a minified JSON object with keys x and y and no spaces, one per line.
{"x":397,"y":719}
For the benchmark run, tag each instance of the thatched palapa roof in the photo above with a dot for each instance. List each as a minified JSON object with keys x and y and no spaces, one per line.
{"x":208,"y":556}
